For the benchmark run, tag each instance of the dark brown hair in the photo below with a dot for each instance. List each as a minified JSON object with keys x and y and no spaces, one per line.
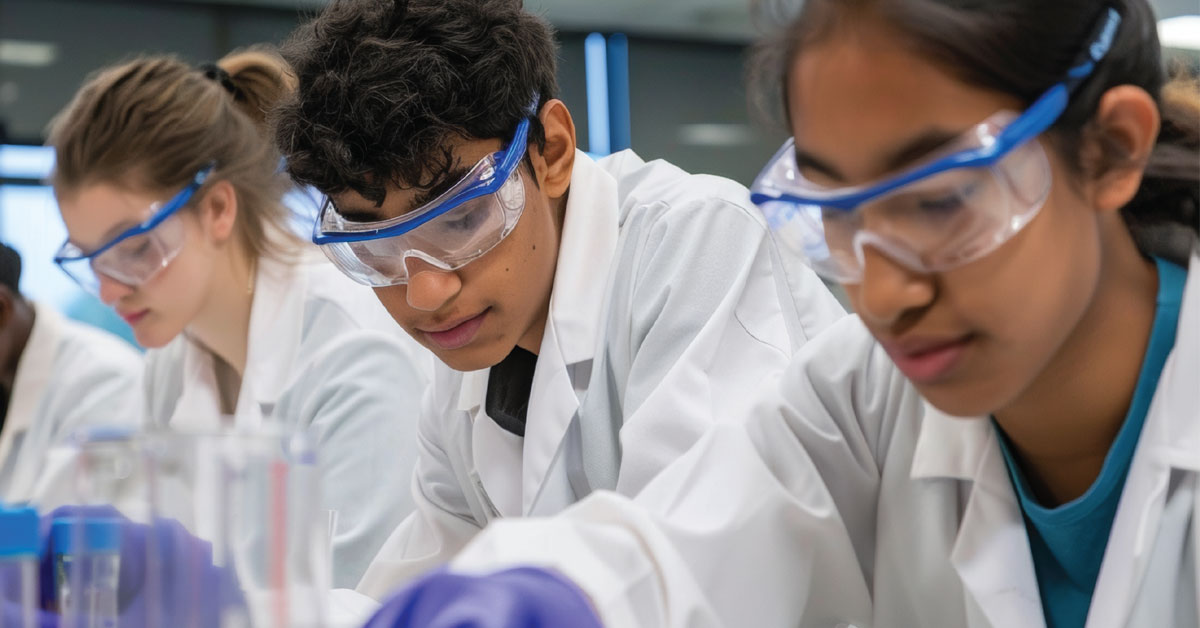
{"x":1022,"y":47}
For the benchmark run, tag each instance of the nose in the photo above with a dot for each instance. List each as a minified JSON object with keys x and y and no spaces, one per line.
{"x":890,"y":289}
{"x":112,"y":290}
{"x":429,"y":287}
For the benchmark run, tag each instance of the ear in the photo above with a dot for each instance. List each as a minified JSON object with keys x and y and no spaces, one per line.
{"x":553,"y":164}
{"x":218,"y":211}
{"x":1125,"y":131}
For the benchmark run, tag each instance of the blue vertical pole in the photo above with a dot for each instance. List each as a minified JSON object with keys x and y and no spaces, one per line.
{"x":618,"y":92}
{"x":596,"y":69}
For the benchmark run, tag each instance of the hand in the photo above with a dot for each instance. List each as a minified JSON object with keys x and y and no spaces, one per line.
{"x":166,"y":575}
{"x":524,"y":597}
{"x":11,"y":612}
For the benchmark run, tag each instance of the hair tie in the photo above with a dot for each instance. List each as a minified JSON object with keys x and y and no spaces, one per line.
{"x":216,"y":73}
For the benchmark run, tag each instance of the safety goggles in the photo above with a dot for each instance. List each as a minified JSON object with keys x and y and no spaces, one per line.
{"x":138,"y":253}
{"x":458,"y":227}
{"x":952,"y":208}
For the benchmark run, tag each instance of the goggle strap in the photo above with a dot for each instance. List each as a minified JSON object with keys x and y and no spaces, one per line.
{"x":1099,"y":43}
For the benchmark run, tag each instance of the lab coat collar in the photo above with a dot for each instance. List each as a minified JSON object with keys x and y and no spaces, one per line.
{"x":1169,"y":444}
{"x":991,"y":536}
{"x":586,"y":250}
{"x":1177,"y":400}
{"x":35,"y":369}
{"x":585,"y":253}
{"x":574,"y":324}
{"x":949,"y":446}
{"x":276,"y":326}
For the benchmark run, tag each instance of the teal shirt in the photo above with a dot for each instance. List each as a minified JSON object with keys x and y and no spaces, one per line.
{"x":1068,"y":542}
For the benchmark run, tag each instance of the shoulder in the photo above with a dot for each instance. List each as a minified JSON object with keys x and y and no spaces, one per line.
{"x":94,"y":350}
{"x":347,"y":336}
{"x":334,"y":298}
{"x":658,"y":190}
{"x":346,"y":318}
{"x":844,"y":377}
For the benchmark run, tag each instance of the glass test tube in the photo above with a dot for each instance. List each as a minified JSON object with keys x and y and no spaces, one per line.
{"x":87,"y":560}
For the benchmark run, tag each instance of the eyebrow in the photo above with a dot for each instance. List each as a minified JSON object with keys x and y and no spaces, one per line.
{"x":421,"y":198}
{"x":905,"y":154}
{"x":118,"y":229}
{"x":108,"y":236}
{"x":448,"y":180}
{"x":356,"y":215}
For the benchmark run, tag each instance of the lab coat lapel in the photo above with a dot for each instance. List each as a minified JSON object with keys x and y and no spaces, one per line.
{"x":552,"y":408}
{"x":276,"y":329}
{"x":276,"y":319}
{"x":1169,"y":448}
{"x":573,"y":329}
{"x":991,"y":552}
{"x":199,"y":406}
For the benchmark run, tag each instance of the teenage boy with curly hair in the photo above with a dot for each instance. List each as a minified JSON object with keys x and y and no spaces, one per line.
{"x":593,"y":317}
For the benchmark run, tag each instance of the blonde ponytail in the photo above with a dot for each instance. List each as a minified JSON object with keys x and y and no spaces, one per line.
{"x":152,"y":123}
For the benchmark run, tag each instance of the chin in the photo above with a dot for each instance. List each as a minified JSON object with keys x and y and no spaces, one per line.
{"x":150,"y":337}
{"x":471,"y":358}
{"x":962,"y":399}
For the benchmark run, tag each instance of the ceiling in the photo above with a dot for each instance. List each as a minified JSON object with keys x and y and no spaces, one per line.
{"x":722,"y":20}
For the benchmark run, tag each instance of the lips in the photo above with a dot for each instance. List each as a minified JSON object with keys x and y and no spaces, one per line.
{"x":925,"y":360}
{"x":455,"y":334}
{"x":131,"y":318}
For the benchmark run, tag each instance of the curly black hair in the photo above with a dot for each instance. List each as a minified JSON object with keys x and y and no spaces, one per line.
{"x":386,"y":86}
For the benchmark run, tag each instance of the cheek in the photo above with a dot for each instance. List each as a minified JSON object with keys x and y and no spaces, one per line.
{"x":524,"y":262}
{"x":539,"y":256}
{"x":1024,"y":300}
{"x":179,"y":292}
{"x":1042,"y":280}
{"x":395,"y":301}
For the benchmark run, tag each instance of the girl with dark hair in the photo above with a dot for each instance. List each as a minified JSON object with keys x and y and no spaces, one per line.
{"x":1008,"y":432}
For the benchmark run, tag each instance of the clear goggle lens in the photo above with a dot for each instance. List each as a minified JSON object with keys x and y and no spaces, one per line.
{"x":932,"y":224}
{"x":132,"y":261}
{"x":447,"y":242}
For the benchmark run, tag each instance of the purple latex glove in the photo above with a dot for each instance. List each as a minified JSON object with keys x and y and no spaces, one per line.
{"x":10,"y":615}
{"x":10,"y":606}
{"x":524,"y":597}
{"x":167,"y":576}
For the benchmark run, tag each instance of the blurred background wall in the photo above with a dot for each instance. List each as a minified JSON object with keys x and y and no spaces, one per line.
{"x":683,"y":87}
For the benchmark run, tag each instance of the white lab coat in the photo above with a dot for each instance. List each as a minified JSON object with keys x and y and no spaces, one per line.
{"x":323,"y":356}
{"x":669,"y":302}
{"x":847,"y":500}
{"x":69,"y":376}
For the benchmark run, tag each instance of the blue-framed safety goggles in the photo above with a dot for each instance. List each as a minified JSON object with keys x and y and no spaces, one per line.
{"x":458,"y":227}
{"x":137,"y":254}
{"x":955,"y":207}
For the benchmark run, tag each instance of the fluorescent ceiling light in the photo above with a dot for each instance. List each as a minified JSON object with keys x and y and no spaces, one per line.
{"x":716,"y":134}
{"x":1180,"y":32}
{"x":25,"y":162}
{"x":27,"y":53}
